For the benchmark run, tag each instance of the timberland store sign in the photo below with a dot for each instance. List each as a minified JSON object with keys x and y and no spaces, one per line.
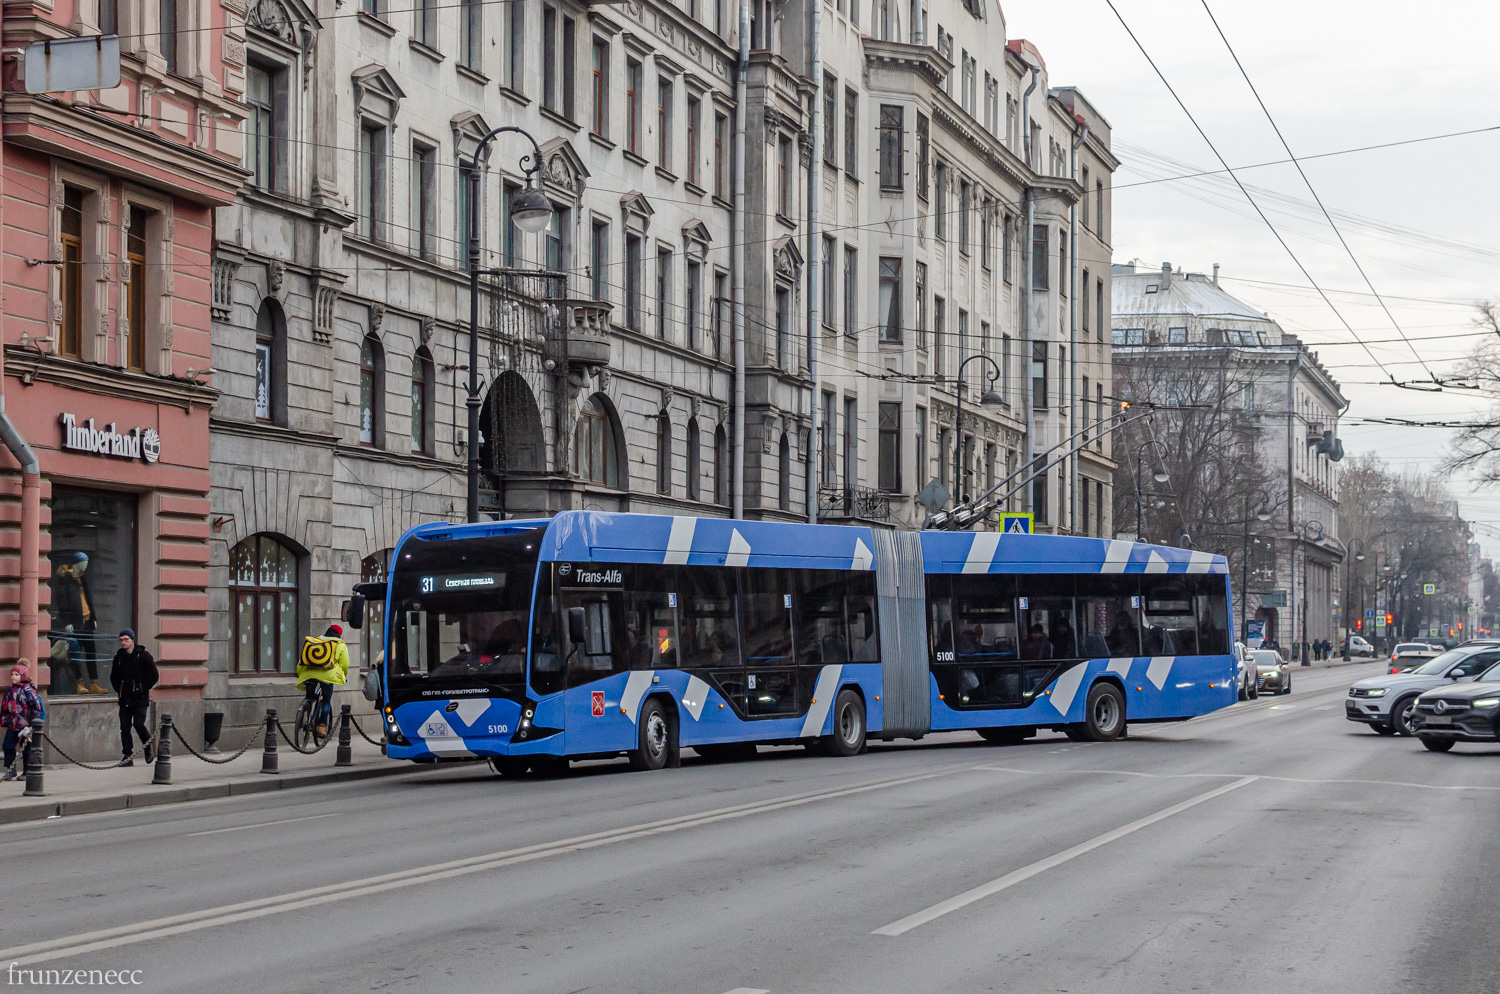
{"x":137,"y":443}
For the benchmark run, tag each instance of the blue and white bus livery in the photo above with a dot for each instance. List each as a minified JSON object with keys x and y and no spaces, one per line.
{"x":595,"y":634}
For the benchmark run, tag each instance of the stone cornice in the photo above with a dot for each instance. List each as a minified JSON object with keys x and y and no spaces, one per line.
{"x":111,"y":381}
{"x":924,"y":61}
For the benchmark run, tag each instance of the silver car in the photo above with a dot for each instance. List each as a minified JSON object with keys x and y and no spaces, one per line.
{"x":1387,"y":703}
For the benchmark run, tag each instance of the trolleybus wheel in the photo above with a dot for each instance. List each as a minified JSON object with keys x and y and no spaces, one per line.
{"x":848,"y":737}
{"x":1006,"y":736}
{"x":509,"y":767}
{"x":1104,"y":713}
{"x":655,"y":738}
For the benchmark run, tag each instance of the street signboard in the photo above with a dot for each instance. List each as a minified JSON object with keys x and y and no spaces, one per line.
{"x":934,"y":496}
{"x":1016,"y":524}
{"x":1369,"y":612}
{"x":1273,"y":598}
{"x":1432,"y":632}
{"x":1429,"y":588}
{"x":61,"y":65}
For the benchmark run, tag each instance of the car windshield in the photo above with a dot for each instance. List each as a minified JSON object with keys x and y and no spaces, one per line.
{"x":1440,"y":664}
{"x":1413,"y":647}
{"x":1266,"y":658}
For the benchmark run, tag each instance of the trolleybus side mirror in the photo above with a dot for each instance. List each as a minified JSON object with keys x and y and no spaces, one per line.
{"x":356,"y":613}
{"x":575,"y":625}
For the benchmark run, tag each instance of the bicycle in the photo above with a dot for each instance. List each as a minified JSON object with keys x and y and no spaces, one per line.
{"x":305,"y":728}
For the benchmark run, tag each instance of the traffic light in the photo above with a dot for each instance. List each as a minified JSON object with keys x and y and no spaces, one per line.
{"x":1390,"y":619}
{"x":1359,"y":624}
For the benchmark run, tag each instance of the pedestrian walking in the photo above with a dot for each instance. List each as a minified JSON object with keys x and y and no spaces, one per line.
{"x":133,"y":674}
{"x":18,"y":708}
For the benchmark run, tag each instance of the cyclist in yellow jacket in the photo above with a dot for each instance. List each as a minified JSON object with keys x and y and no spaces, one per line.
{"x":319,"y":681}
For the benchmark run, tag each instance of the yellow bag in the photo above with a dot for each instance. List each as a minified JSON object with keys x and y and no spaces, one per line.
{"x":319,"y":653}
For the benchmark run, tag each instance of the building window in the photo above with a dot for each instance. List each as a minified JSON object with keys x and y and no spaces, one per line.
{"x":1038,"y":375}
{"x":471,"y":34}
{"x":694,"y":443}
{"x":70,"y":223}
{"x":783,"y":326}
{"x":1084,"y":300}
{"x":1099,"y":209}
{"x":890,"y":299}
{"x":939,"y":345}
{"x":1039,"y":258}
{"x":559,"y":227}
{"x":945,"y":457}
{"x":1099,"y":505}
{"x":664,"y":123}
{"x":851,"y":291}
{"x":720,"y":305}
{"x":135,"y":260}
{"x":109,"y":17}
{"x":829,"y":298}
{"x":694,"y":291}
{"x":263,"y":589}
{"x":1176,"y":336}
{"x":721,"y":155}
{"x":601,"y":87}
{"x":596,"y":450}
{"x":1085,"y":197}
{"x":1099,"y":416}
{"x":663,"y":289}
{"x":633,"y":106}
{"x":633,"y":279}
{"x":372,"y":184}
{"x":963,"y":216}
{"x":517,"y":66}
{"x":694,"y":153}
{"x":892,"y":146}
{"x":1007,"y":247}
{"x":1099,"y":304}
{"x":830,"y":120}
{"x":509,"y":233}
{"x":599,"y":261}
{"x":784,"y":474}
{"x":424,"y":203}
{"x":830,"y":441}
{"x":940,"y":201}
{"x":722,"y":470}
{"x":168,"y":33}
{"x":851,"y":133}
{"x":423,"y":389}
{"x":890,"y":446}
{"x":424,"y":22}
{"x":466,"y":203}
{"x":264,"y":94}
{"x":921,"y":445}
{"x":1039,"y":490}
{"x":784,"y":177}
{"x":851,"y":441}
{"x":549,"y":59}
{"x":924,"y":152}
{"x":663,"y":453}
{"x":1062,"y":264}
{"x":270,"y":363}
{"x":371,"y":392}
{"x":986,"y":219}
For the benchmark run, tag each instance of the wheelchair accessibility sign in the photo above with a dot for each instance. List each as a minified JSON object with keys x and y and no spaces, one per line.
{"x":1016,"y":524}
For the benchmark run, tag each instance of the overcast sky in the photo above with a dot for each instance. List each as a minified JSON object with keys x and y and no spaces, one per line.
{"x":1421,"y":219}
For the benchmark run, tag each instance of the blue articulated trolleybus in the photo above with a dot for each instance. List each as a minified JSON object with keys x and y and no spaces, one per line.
{"x":599,"y":634}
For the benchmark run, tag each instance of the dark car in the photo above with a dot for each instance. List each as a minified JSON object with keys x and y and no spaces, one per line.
{"x":1467,"y":713}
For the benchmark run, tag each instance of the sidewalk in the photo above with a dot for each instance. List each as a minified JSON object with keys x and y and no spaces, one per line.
{"x":72,"y":790}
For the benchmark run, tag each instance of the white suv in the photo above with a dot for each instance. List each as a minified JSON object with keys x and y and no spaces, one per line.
{"x":1386,"y":703}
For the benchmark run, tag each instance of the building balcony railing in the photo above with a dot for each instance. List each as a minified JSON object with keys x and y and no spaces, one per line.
{"x":534,"y":305}
{"x":855,"y":502}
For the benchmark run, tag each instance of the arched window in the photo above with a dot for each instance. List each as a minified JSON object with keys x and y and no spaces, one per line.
{"x":596,"y":445}
{"x":784,"y":484}
{"x":373,"y":569}
{"x":694,"y":442}
{"x":663,"y":453}
{"x":722,"y":469}
{"x":371,"y":392}
{"x":270,"y":363}
{"x":263,"y":592}
{"x":423,"y":389}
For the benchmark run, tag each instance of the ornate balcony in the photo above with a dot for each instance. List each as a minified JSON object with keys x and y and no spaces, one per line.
{"x":860,"y":503}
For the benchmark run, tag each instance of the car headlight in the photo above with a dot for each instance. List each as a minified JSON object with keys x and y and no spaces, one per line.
{"x":1379,"y":692}
{"x":1486,"y":702}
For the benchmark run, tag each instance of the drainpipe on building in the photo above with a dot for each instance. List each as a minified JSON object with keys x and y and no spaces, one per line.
{"x":814,"y":259}
{"x":738,"y":235}
{"x":1073,"y":334}
{"x":31,"y":522}
{"x":1029,"y":193}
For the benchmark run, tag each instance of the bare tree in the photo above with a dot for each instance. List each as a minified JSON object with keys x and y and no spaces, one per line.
{"x":1476,"y":449}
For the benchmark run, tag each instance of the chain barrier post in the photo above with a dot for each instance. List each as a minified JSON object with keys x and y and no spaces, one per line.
{"x":268,"y":760}
{"x":33,"y":760}
{"x":345,"y":755}
{"x":163,"y":774}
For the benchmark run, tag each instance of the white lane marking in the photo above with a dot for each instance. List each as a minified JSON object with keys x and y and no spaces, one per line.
{"x":228,"y":914}
{"x":739,"y":549}
{"x":1282,"y":707}
{"x":636,"y":686}
{"x":823,"y":691}
{"x":263,"y":824}
{"x":1228,"y":776}
{"x":748,"y":990}
{"x":982,"y":552}
{"x":999,"y":884}
{"x":680,"y":540}
{"x":1323,"y":707}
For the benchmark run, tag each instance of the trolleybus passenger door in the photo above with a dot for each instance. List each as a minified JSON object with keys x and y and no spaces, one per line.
{"x":765,"y":607}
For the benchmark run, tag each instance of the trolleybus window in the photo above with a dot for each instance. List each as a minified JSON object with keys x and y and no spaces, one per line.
{"x":766,"y":635}
{"x":651,"y":618}
{"x":1109,"y":610}
{"x":1045,"y":606}
{"x":1167,"y":626}
{"x":1213,"y":615}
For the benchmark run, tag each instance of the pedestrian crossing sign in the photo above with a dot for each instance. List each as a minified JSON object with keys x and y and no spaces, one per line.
{"x":1016,"y":524}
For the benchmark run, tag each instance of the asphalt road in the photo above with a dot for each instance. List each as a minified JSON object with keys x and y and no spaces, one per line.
{"x":1271,"y":847}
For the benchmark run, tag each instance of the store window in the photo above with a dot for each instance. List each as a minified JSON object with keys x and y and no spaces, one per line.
{"x":264,"y":592}
{"x":92,"y":580}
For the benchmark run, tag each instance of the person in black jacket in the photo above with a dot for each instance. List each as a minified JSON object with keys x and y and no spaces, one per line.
{"x":133,"y":674}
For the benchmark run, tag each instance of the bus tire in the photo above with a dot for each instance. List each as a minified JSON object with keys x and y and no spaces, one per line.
{"x":848,"y":738}
{"x":509,"y":767}
{"x":1104,"y":713}
{"x":1076,"y":733}
{"x":654,"y":734}
{"x":1006,"y":736}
